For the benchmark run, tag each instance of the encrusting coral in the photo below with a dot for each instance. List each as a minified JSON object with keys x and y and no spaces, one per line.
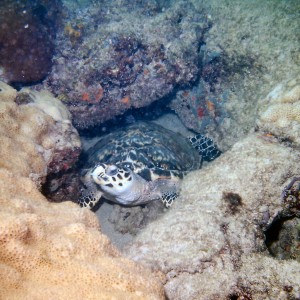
{"x":38,"y":139}
{"x":280,"y":111}
{"x":53,"y":250}
{"x":50,"y":250}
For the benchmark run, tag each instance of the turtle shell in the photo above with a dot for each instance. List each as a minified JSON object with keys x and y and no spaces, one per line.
{"x":148,"y":149}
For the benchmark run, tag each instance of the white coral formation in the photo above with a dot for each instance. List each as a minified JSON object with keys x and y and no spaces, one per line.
{"x":49,"y":104}
{"x":41,"y":138}
{"x":279,"y":113}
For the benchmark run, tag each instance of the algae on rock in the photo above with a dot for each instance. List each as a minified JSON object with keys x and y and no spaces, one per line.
{"x":213,"y":235}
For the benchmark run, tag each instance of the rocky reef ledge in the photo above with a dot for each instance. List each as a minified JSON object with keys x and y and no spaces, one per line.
{"x":50,"y":250}
{"x":214,"y":243}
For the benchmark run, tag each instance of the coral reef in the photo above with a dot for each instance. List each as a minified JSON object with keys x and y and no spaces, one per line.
{"x":56,"y":250}
{"x":28,"y":29}
{"x":243,"y":59}
{"x":211,"y":242}
{"x":279,"y":112}
{"x":127,"y":58}
{"x":40,"y":125}
{"x":50,"y":250}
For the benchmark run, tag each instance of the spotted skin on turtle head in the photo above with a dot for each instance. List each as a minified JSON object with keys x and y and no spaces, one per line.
{"x":112,"y":179}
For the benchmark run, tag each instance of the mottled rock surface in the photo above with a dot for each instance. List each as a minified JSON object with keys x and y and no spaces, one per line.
{"x":212,"y":237}
{"x":114,"y":57}
{"x":249,"y":50}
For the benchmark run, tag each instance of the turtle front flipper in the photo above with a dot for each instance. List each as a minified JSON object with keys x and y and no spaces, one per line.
{"x":205,"y":146}
{"x":90,"y":199}
{"x":167,"y":189}
{"x":90,"y":194}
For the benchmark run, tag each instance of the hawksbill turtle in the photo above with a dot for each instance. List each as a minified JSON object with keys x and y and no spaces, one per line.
{"x":141,"y":163}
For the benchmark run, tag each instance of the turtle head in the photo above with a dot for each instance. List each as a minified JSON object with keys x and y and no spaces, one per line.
{"x":113,"y":180}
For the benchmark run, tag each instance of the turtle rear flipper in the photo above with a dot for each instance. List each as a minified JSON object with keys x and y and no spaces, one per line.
{"x":168,"y":198}
{"x":205,"y":146}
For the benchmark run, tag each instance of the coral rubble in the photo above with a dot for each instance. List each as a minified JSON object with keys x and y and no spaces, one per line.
{"x":50,"y":250}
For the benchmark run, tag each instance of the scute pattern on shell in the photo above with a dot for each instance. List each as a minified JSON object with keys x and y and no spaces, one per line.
{"x":148,"y":149}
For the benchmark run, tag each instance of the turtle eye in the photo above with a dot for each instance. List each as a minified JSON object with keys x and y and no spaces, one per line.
{"x":112,"y":171}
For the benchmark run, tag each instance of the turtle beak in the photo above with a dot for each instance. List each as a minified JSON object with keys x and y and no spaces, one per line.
{"x":99,"y":173}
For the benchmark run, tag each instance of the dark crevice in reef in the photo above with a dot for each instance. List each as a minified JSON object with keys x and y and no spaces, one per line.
{"x":282,"y":237}
{"x":147,"y":113}
{"x":272,"y":232}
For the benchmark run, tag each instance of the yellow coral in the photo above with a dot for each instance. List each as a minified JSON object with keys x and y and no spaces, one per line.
{"x":279,"y":113}
{"x":74,"y":33}
{"x":282,"y":105}
{"x":7,"y":92}
{"x":282,"y":114}
{"x":16,"y":136}
{"x":56,"y":251}
{"x":50,"y":250}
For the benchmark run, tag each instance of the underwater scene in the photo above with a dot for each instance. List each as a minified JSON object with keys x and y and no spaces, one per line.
{"x":150,"y":149}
